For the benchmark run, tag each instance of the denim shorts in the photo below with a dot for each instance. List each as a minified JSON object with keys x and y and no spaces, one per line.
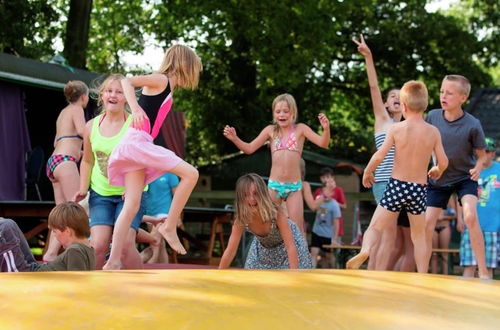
{"x":104,"y":210}
{"x":439,"y":196}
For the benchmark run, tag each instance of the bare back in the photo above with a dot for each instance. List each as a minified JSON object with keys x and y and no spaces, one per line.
{"x":69,"y":125}
{"x":414,"y":142}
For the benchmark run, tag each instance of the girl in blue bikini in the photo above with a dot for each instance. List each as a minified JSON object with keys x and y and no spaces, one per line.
{"x":286,"y":142}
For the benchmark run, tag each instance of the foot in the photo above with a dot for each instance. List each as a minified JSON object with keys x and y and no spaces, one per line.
{"x":111,"y":266}
{"x":172,"y":240}
{"x":484,"y":276}
{"x":356,"y":261}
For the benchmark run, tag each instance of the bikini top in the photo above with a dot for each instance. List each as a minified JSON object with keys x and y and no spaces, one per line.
{"x":77,"y":136}
{"x":157,"y":108}
{"x":290,"y":144}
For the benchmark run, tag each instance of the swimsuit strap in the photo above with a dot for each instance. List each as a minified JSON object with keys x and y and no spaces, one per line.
{"x":104,"y":116}
{"x":162,"y":114}
{"x":77,"y":136}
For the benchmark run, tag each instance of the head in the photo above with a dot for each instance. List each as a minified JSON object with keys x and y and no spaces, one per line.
{"x":284,"y":110}
{"x":68,"y":221}
{"x":454,"y":92}
{"x":110,"y":92}
{"x":326,"y":177}
{"x":491,"y":149}
{"x":252,"y":197}
{"x":182,"y":62}
{"x":392,"y":103}
{"x":414,"y":96}
{"x":76,"y":90}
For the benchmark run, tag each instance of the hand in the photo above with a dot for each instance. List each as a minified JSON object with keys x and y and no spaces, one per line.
{"x":434,"y":173}
{"x":362,"y":46}
{"x":156,"y":220}
{"x":229,"y":132}
{"x":79,"y":196}
{"x":138,"y":117}
{"x":368,"y":179}
{"x":474,"y":174}
{"x":323,"y":120}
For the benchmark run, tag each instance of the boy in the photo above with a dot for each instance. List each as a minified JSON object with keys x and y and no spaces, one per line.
{"x":488,"y":210}
{"x":462,"y":134}
{"x":70,"y":223}
{"x":414,"y":141}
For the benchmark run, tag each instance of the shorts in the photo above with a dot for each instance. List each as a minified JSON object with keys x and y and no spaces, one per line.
{"x":378,"y":189}
{"x":284,"y":189}
{"x":491,"y":249}
{"x":438,"y":196}
{"x":399,"y":194}
{"x":319,"y":241}
{"x":104,"y":210}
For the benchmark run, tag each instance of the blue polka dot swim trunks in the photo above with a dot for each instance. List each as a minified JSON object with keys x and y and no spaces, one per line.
{"x":412,"y":196}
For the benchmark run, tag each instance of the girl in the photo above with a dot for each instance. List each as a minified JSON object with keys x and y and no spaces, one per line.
{"x":136,"y":161}
{"x":286,"y":141}
{"x":442,"y":235}
{"x":386,"y":114}
{"x":278,"y":241}
{"x":101,"y":136}
{"x":62,"y":167}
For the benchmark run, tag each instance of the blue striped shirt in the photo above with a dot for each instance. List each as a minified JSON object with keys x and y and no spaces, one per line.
{"x":384,"y":170}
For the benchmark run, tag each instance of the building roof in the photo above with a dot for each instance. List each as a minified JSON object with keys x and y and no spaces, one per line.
{"x":485,"y":106}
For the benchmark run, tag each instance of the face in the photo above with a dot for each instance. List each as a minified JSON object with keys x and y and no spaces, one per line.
{"x":328,"y":180}
{"x":251,"y":196}
{"x":63,"y":236}
{"x":282,"y":114}
{"x":451,"y":95}
{"x":392,"y":103}
{"x":113,"y":98}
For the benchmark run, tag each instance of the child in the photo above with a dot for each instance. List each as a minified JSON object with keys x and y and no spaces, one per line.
{"x":386,"y":114}
{"x":62,"y":167}
{"x":69,"y":223}
{"x":488,"y":209}
{"x":101,"y":136}
{"x":442,"y":236}
{"x":462,"y":135}
{"x":414,"y":141}
{"x":286,"y":141}
{"x":278,"y":242}
{"x":136,"y":161}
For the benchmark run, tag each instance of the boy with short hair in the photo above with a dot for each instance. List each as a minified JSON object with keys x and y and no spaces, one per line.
{"x":488,"y":210}
{"x":462,"y":135}
{"x":414,"y":141}
{"x":70,"y":223}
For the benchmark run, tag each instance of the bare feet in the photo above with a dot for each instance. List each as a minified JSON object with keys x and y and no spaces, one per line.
{"x":356,"y":261}
{"x":111,"y":266}
{"x":484,"y":276}
{"x":172,"y":239}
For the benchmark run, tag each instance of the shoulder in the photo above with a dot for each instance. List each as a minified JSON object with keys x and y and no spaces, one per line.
{"x":435,"y":113}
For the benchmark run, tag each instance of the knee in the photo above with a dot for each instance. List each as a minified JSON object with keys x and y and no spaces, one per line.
{"x":100,"y":248}
{"x":470,"y":220}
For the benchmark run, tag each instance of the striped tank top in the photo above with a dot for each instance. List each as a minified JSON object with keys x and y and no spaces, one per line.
{"x":384,"y":170}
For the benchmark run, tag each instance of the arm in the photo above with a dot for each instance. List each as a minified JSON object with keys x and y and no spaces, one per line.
{"x":312,"y":203}
{"x":248,"y":148}
{"x":335,"y":239}
{"x":482,"y":158}
{"x":147,"y":237}
{"x":86,"y":164}
{"x":381,"y":115}
{"x":442,"y":161}
{"x":286,"y":234}
{"x":342,"y":201}
{"x":319,"y":140}
{"x":377,"y":158}
{"x":152,"y":220}
{"x":232,"y":246}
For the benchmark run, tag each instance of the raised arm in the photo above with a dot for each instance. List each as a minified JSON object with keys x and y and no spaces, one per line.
{"x":381,"y":115}
{"x":377,"y":158}
{"x":86,"y":164}
{"x":232,"y":246}
{"x":442,"y":161}
{"x":248,"y":148}
{"x":287,"y":235}
{"x":319,"y":140}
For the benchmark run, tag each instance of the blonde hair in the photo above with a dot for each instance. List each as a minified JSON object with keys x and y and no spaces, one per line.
{"x":414,"y":94}
{"x":267,"y":208}
{"x":462,"y":82}
{"x":101,"y":88}
{"x":290,"y":101}
{"x":183,"y":63}
{"x":74,"y":89}
{"x":70,"y":215}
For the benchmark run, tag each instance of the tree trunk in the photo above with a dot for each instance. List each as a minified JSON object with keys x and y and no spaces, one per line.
{"x":77,"y":33}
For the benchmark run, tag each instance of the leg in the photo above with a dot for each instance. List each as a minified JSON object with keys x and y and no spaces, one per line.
{"x":398,"y":250}
{"x":408,"y":262}
{"x":134,"y":185}
{"x":314,"y":256}
{"x":431,"y":215}
{"x":469,"y":203}
{"x":469,"y":271}
{"x":435,"y":256}
{"x":295,"y":208}
{"x":130,"y":256}
{"x":100,"y":240}
{"x":380,"y":220}
{"x":386,"y":246}
{"x":418,"y":237}
{"x":444,"y":242}
{"x":189,"y":176}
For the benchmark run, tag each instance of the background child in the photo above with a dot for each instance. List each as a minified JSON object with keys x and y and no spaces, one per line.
{"x":286,"y":142}
{"x":462,"y":136}
{"x":414,"y":141}
{"x":69,"y":223}
{"x":101,"y":136}
{"x":442,"y":236}
{"x":62,"y":167}
{"x":278,"y":242}
{"x":137,"y":161}
{"x":488,"y":209}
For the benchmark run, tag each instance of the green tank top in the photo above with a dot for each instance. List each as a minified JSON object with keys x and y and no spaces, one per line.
{"x":101,"y":148}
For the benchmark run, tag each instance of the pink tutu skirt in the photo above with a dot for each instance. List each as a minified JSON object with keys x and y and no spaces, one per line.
{"x":136,"y":151}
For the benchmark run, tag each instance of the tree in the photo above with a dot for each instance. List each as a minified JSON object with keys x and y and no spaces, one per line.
{"x":77,"y":33}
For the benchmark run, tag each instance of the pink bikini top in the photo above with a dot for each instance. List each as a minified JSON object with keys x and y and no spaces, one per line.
{"x":290,"y":144}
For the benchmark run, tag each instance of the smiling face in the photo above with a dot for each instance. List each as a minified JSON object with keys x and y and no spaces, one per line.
{"x":451,"y":95}
{"x":392,"y":102}
{"x":282,"y":114}
{"x":112,"y":97}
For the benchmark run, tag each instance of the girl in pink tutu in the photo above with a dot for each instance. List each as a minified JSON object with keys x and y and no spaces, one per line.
{"x":137,"y":161}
